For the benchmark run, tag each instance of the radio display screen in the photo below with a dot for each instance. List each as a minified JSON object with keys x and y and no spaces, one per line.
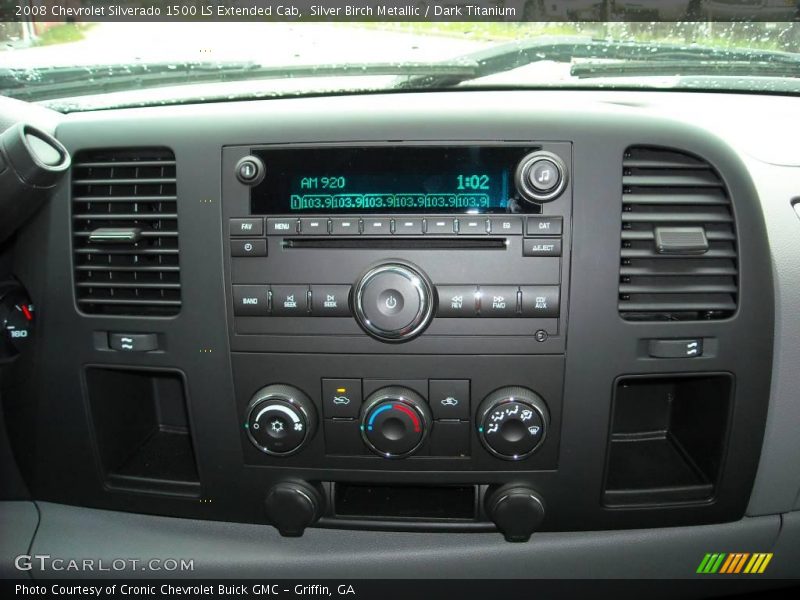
{"x":397,"y":179}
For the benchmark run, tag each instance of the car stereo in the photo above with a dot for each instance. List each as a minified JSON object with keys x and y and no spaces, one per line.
{"x":399,"y":241}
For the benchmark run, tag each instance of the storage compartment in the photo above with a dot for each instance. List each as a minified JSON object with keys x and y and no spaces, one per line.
{"x":668,"y":438}
{"x":142,"y":430}
{"x":405,"y":501}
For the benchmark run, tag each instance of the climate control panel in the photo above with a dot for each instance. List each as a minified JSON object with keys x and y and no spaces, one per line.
{"x":403,"y":420}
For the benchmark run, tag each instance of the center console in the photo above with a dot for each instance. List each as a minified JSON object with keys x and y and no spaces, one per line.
{"x":421,"y":292}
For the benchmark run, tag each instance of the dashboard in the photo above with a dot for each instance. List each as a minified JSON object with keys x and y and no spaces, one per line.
{"x":489,"y":317}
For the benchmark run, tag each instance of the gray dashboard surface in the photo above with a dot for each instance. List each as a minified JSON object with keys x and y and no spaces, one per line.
{"x":18,"y":521}
{"x":787,"y":550}
{"x":255,"y":551}
{"x":777,"y":482}
{"x":765,"y":140}
{"x":767,"y":143}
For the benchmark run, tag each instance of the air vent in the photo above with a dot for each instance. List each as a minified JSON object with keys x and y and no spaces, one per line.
{"x":125,"y":232}
{"x":679,"y":252}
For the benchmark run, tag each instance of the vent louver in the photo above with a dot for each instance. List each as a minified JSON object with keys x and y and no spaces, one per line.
{"x":679,"y":250}
{"x":125,"y":232}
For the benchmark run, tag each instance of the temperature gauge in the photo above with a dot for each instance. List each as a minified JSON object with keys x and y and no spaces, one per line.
{"x":16,"y":319}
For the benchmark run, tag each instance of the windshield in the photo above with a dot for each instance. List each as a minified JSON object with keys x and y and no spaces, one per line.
{"x":89,"y":65}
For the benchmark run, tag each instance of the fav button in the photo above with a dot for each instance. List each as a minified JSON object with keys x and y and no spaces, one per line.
{"x":247,"y":227}
{"x":341,"y":398}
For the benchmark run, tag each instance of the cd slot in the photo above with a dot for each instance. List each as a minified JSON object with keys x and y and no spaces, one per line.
{"x":398,"y":243}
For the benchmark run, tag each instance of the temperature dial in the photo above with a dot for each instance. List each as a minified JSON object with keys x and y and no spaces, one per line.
{"x":16,"y":318}
{"x":280,"y":420}
{"x":512,"y":422}
{"x":394,"y":422}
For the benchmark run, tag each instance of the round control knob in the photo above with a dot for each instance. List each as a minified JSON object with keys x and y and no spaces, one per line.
{"x":293,"y":506}
{"x":394,"y":422}
{"x":250,"y":170}
{"x":541,"y":177}
{"x":517,"y":510}
{"x":512,"y":422}
{"x":280,"y":419}
{"x":393,"y":302}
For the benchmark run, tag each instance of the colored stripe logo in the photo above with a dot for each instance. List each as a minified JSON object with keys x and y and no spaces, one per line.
{"x":734,"y":563}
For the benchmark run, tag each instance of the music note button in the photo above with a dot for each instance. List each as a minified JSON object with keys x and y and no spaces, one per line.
{"x":544,"y":175}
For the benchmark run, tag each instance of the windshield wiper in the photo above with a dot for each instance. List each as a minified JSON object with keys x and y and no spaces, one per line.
{"x":48,"y":83}
{"x":645,"y":68}
{"x":700,"y":59}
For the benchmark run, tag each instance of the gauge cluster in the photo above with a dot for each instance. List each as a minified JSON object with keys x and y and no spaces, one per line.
{"x":17,"y":319}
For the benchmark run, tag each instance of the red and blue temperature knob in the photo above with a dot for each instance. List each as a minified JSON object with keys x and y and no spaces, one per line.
{"x":395,"y":422}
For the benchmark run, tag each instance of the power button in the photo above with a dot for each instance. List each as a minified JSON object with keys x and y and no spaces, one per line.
{"x":393,"y":302}
{"x":250,"y":170}
{"x":390,"y":302}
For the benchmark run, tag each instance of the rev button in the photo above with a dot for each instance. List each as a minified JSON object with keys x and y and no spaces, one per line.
{"x":457,"y":300}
